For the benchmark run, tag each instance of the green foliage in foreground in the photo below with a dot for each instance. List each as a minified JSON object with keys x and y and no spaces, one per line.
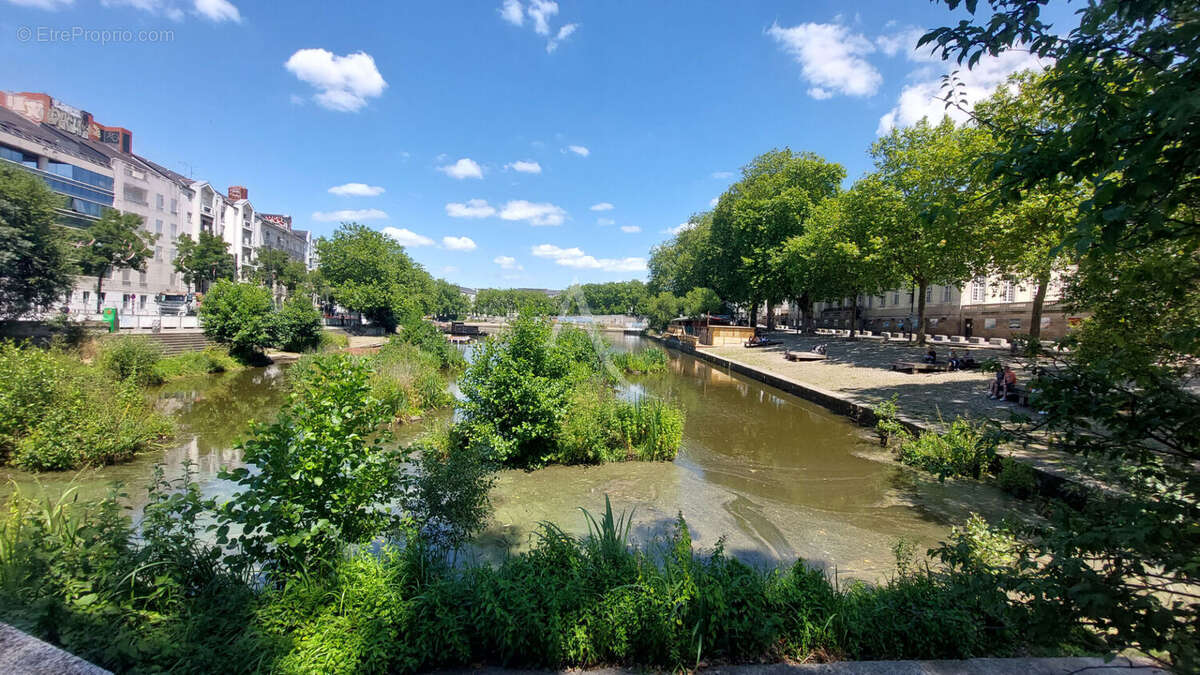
{"x":963,"y":449}
{"x":543,"y":399}
{"x":79,"y":577}
{"x":58,"y":413}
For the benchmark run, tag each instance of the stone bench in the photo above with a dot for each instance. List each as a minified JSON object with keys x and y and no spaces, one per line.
{"x":915,"y":367}
{"x":999,"y":342}
{"x":941,"y":338}
{"x":977,"y":341}
{"x":957,"y":339}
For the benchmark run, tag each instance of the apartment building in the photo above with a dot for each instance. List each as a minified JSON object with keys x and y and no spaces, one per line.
{"x":93,"y":167}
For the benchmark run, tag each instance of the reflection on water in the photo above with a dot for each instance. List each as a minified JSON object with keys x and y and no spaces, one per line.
{"x":777,"y":477}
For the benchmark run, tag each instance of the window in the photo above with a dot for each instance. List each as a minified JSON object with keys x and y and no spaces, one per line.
{"x":158,"y":253}
{"x":174,"y":230}
{"x":87,"y":296}
{"x":103,"y":296}
{"x":896,"y":298}
{"x":125,"y":275}
{"x":158,"y":202}
{"x":945,"y":294}
{"x":135,"y":194}
{"x":929,"y":294}
{"x":174,"y":206}
{"x":158,"y":226}
{"x":978,"y":289}
{"x":125,"y":298}
{"x":141,"y":278}
{"x":1008,"y":292}
{"x":883,"y":301}
{"x":870,"y":300}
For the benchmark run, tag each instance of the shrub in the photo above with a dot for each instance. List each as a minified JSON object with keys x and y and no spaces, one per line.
{"x":429,"y":339}
{"x":887,"y":422}
{"x":239,"y":316}
{"x":132,"y":357}
{"x":1017,"y":478}
{"x":57,"y":413}
{"x":297,"y":326}
{"x":963,"y":450}
{"x":322,"y":481}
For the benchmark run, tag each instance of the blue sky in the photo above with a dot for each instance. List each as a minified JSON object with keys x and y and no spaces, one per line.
{"x":443,"y":110}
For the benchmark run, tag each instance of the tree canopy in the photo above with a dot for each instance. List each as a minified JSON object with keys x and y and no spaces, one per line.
{"x":370,"y":272}
{"x":35,"y":266}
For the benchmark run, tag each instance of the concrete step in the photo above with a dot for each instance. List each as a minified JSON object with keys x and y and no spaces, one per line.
{"x":178,"y":343}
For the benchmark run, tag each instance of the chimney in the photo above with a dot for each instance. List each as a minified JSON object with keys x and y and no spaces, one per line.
{"x":237,"y":192}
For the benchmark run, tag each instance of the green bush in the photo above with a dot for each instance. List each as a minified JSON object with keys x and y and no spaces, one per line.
{"x":297,"y":326}
{"x":642,"y":361}
{"x":539,"y":399}
{"x":239,"y":316}
{"x":322,"y":478}
{"x":408,"y":380}
{"x":57,"y":413}
{"x":887,"y":422}
{"x":1017,"y":478}
{"x":205,"y":362}
{"x":963,"y":450}
{"x":429,"y":339}
{"x":132,"y":357}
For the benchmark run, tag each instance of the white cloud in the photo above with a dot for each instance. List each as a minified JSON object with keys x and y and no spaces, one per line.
{"x":714,"y":201}
{"x":512,"y":12}
{"x":474,"y":208}
{"x":905,"y":42}
{"x":343,"y":83}
{"x":218,"y":10}
{"x":679,"y":228}
{"x":602,"y":206}
{"x":563,"y":33}
{"x":605,"y":221}
{"x":924,"y":98}
{"x":507,"y":262}
{"x":630,"y":229}
{"x":458,"y":243}
{"x":722,"y":175}
{"x":356,"y":190}
{"x":525,"y":166}
{"x":540,"y":13}
{"x":579,"y":150}
{"x":43,"y":4}
{"x":463,"y":168}
{"x":407,"y":237}
{"x":576,"y":258}
{"x":830,"y":58}
{"x":534,"y":213}
{"x":346,"y":215}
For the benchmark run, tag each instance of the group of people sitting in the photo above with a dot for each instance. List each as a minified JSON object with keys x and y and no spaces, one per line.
{"x":956,"y":361}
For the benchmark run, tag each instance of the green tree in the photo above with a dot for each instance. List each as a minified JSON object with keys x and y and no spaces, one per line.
{"x":116,"y":241}
{"x":686,"y":260}
{"x":296,"y":327}
{"x":933,"y":233}
{"x":203,"y":260}
{"x":270,"y":265}
{"x":239,"y":315}
{"x":700,"y":302}
{"x":770,"y":204}
{"x":1123,"y":562}
{"x":369,"y":272}
{"x":1027,"y":232}
{"x":662,"y":309}
{"x":837,"y":256}
{"x":448,"y":301}
{"x":35,"y":268}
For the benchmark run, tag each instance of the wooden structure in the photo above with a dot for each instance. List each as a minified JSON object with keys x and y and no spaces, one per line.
{"x":717,"y":336}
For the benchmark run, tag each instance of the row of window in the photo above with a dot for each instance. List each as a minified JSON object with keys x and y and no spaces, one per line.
{"x":79,"y":174}
{"x":73,"y":190}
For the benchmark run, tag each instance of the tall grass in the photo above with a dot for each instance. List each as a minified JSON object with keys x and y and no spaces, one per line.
{"x":642,"y":361}
{"x":58,"y":413}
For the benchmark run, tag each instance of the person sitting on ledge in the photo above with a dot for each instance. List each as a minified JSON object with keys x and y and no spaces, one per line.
{"x":953,"y":360}
{"x":996,"y":385}
{"x":931,"y":356}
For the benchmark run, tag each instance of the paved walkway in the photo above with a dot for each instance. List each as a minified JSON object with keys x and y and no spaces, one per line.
{"x":860,"y":371}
